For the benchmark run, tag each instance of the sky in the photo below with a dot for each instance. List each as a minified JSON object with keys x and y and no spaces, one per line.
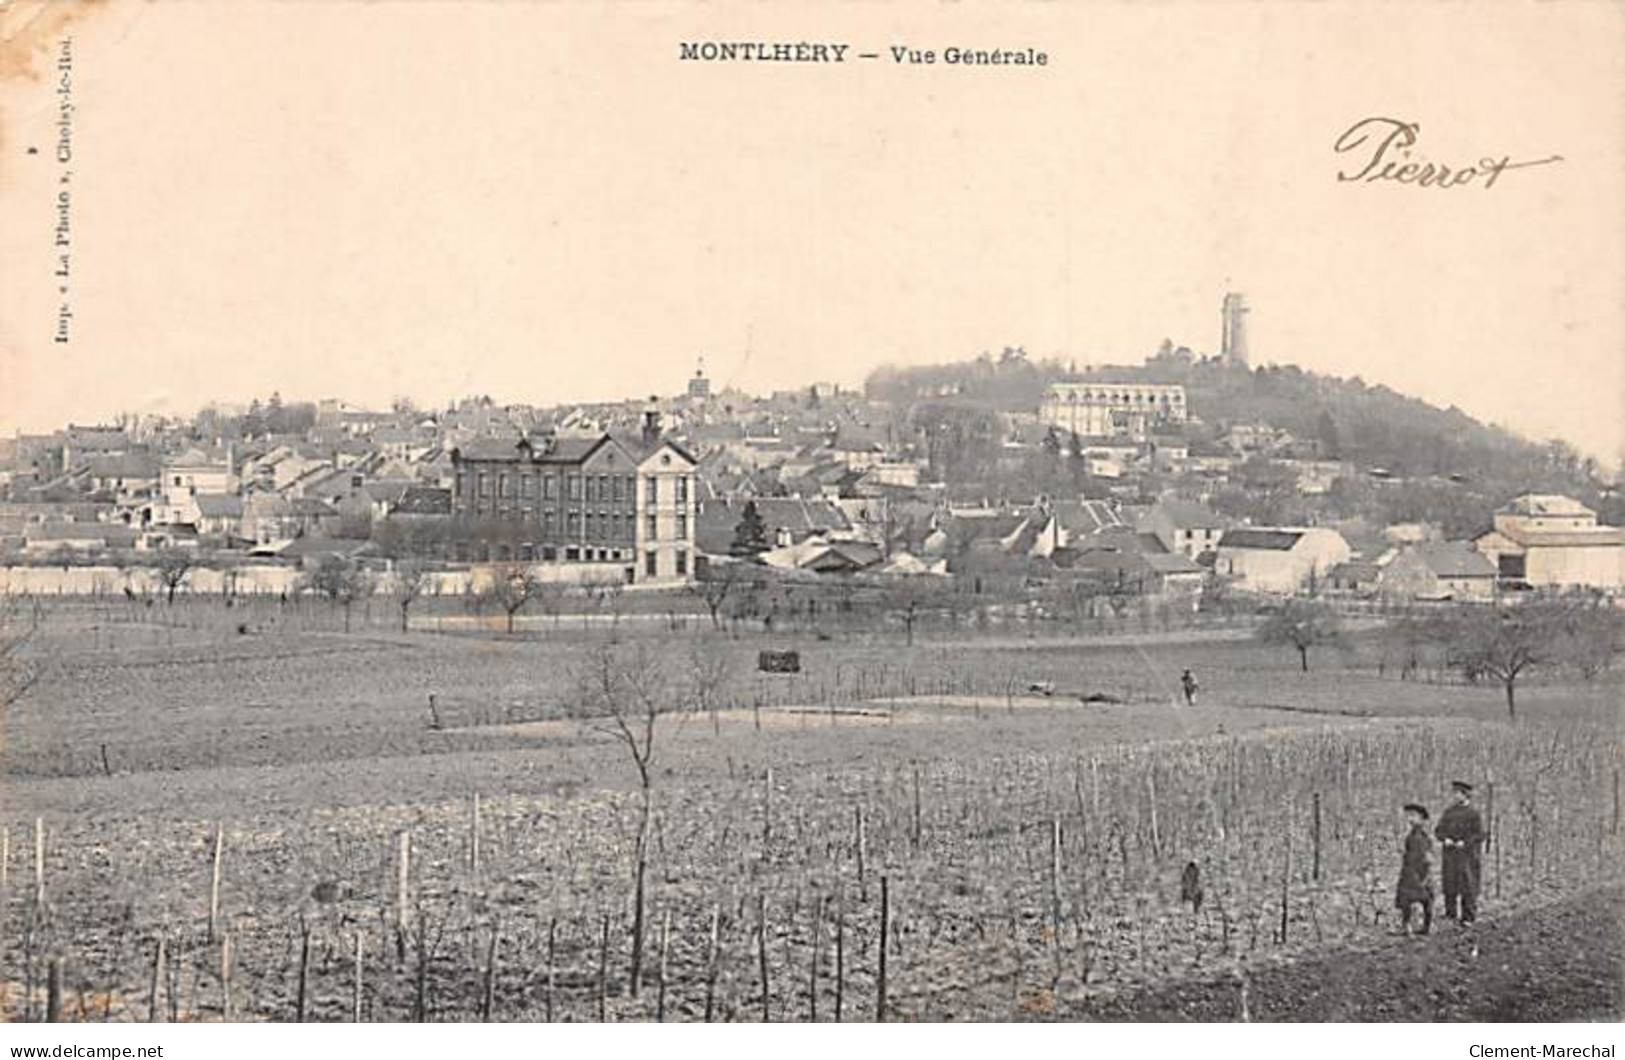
{"x":544,"y":204}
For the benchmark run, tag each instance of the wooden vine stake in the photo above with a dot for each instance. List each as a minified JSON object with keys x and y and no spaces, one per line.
{"x":857,"y":812}
{"x":403,"y":879}
{"x":916,"y":806}
{"x":359,"y":986}
{"x":214,"y":881}
{"x":885,"y":929}
{"x":817,"y":937}
{"x":767,"y":811}
{"x":1315,"y":835}
{"x":1055,"y":892}
{"x":304,"y":972}
{"x":840,"y":951}
{"x":39,"y":863}
{"x":225,"y":976}
{"x":603,"y":968}
{"x":711,"y":960}
{"x":552,"y":966}
{"x":665,"y":949}
{"x":489,"y":996}
{"x":761,"y":950}
{"x":155,"y":1013}
{"x":1286,"y":880}
{"x":53,"y":991}
{"x":1151,"y":791}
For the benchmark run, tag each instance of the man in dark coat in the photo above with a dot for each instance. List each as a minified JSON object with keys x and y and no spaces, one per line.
{"x":1187,"y":683}
{"x":1461,"y":838}
{"x":1415,"y":885}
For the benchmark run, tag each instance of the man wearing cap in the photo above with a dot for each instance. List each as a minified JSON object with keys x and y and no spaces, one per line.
{"x":1461,"y":835}
{"x":1415,"y":888}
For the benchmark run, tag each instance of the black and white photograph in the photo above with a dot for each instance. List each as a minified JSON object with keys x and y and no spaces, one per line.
{"x":919,"y":513}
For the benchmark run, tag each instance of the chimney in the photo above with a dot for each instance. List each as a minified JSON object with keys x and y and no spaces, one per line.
{"x":651,"y":426}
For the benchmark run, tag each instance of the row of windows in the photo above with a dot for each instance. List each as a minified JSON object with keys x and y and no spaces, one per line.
{"x":529,"y":553}
{"x":593,"y":489}
{"x":1073,"y":397}
{"x":589,"y":524}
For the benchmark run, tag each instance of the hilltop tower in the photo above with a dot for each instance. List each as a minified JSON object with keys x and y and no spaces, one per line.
{"x":1233,"y":337}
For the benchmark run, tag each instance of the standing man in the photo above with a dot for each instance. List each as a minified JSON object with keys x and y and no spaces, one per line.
{"x":1187,"y":682}
{"x":1461,"y":837}
{"x":1415,"y":886}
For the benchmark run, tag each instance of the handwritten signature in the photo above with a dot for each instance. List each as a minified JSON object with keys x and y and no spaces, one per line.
{"x":1384,"y":146}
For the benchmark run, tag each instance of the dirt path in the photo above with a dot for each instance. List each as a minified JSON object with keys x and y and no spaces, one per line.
{"x":1558,"y":963}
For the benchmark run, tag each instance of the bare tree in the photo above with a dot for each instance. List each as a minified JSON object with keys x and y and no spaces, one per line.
{"x":1589,"y":636}
{"x":342,"y":581}
{"x":1505,"y":643}
{"x":607,"y":591}
{"x":911,"y":595}
{"x":714,"y":586}
{"x":411,"y":580}
{"x":622,"y":691}
{"x":709,"y":670}
{"x":549,"y":597}
{"x":1303,"y":624}
{"x":173,"y":566}
{"x":513,"y":585}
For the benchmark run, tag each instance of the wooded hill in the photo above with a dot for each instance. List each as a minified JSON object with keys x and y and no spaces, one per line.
{"x":1454,"y":468}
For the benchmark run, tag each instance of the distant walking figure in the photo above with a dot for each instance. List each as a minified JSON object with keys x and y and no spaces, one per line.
{"x":1190,"y":886}
{"x":1187,"y":683}
{"x":1415,"y":888}
{"x":1461,"y":835}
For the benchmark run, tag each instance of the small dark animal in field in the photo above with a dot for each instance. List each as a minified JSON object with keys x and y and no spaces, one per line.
{"x":1190,"y":886}
{"x":325,"y":892}
{"x":242,"y":629}
{"x":1043,"y":688}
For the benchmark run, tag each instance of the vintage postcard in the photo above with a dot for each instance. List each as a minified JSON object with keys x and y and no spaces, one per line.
{"x":714,"y":512}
